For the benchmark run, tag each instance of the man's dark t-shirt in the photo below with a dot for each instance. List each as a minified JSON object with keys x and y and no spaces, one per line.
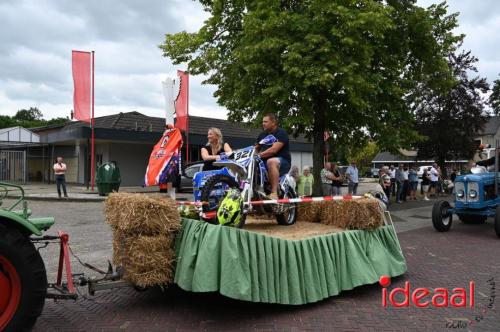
{"x":282,"y":137}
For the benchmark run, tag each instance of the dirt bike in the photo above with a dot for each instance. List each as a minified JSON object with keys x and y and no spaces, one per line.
{"x":246,"y":172}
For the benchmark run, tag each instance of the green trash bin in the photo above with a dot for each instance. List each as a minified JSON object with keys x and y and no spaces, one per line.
{"x":108,"y":178}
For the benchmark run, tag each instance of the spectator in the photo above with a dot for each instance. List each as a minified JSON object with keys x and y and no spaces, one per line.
{"x":413,"y":182}
{"x":336,"y":181}
{"x":425,"y":184}
{"x":453,"y":175}
{"x":406,"y":187}
{"x":326,"y":179}
{"x":305,"y":182}
{"x":353,"y":178}
{"x":60,"y":171}
{"x":392,"y":174}
{"x":294,"y":176}
{"x":399,"y":180}
{"x":434,"y":178}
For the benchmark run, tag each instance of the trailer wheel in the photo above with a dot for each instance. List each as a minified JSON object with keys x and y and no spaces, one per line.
{"x":23,"y":281}
{"x":497,"y":221}
{"x":472,"y":219}
{"x":441,"y":216}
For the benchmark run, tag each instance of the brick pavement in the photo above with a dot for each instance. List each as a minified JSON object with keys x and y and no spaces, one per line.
{"x":467,"y":252}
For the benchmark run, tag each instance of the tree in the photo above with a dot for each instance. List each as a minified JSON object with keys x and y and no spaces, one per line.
{"x":494,"y":99}
{"x":451,"y":119}
{"x":32,"y":114}
{"x":343,"y":66}
{"x":363,"y":155}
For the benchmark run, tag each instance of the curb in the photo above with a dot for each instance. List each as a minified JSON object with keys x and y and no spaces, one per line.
{"x":56,"y":199}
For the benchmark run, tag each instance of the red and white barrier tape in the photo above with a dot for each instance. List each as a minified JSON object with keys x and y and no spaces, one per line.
{"x":288,"y":200}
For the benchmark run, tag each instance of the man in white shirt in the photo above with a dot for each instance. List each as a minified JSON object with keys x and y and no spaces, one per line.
{"x":434,"y":177}
{"x":352,"y":176}
{"x":60,"y":171}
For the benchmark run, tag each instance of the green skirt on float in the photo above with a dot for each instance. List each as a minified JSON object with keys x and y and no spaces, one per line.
{"x":250,"y":266}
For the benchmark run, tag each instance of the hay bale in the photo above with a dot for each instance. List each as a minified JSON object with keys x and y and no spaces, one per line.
{"x":352,"y":214}
{"x":144,"y":230}
{"x":309,"y":212}
{"x":142,"y":214}
{"x":148,"y":260}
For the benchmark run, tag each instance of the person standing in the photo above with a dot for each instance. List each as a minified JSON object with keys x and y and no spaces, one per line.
{"x":434,"y":177}
{"x":305,"y":183}
{"x":425,"y":184}
{"x":352,"y":176}
{"x":336,"y":180}
{"x":406,"y":186}
{"x":326,"y":179}
{"x":413,"y":180}
{"x":294,"y":177}
{"x":392,"y":174}
{"x":399,"y":183}
{"x":60,"y":171}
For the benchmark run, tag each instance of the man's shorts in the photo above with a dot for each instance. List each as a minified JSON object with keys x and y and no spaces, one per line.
{"x":284,"y":166}
{"x":433,"y":184}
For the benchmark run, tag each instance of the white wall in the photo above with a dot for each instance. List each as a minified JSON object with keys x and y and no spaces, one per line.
{"x":301,"y":159}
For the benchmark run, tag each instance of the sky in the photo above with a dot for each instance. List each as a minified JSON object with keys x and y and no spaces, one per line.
{"x":37,"y":36}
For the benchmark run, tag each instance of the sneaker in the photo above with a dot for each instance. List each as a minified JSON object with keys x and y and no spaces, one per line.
{"x":426,"y":199}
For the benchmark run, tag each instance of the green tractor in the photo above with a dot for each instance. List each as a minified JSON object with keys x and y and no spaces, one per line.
{"x":23,"y":279}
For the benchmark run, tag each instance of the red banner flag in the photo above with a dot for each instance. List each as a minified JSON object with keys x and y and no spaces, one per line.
{"x":82,"y":85}
{"x":182,"y":102}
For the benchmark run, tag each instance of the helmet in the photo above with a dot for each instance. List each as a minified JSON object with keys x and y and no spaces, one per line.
{"x":229,"y":211}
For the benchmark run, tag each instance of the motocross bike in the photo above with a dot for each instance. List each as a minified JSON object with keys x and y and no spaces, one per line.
{"x":246,"y":172}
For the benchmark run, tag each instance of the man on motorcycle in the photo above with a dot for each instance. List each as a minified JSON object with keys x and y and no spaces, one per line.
{"x":277,"y":157}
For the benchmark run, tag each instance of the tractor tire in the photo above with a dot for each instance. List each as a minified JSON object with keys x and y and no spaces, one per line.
{"x":497,"y":221}
{"x":23,"y":281}
{"x":290,"y":217}
{"x":472,"y":219}
{"x":441,"y":218}
{"x":210,"y":184}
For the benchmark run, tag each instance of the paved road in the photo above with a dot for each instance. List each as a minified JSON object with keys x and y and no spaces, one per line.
{"x":467,"y":252}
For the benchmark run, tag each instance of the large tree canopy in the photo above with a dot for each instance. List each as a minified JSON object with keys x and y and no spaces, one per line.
{"x":343,"y":66}
{"x":450,"y":120}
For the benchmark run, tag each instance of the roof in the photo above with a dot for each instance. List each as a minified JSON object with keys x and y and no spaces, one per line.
{"x":17,"y":135}
{"x":136,"y":121}
{"x":389,"y":157}
{"x":491,"y":127}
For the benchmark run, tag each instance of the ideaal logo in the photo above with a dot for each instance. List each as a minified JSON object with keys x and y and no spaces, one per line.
{"x":423,"y":297}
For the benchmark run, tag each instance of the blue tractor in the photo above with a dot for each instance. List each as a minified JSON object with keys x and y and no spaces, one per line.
{"x":476,"y":198}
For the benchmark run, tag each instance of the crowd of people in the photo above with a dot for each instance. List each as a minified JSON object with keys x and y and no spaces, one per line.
{"x":401,"y":182}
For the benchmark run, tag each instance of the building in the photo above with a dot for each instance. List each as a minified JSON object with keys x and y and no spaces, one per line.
{"x":128,"y":139}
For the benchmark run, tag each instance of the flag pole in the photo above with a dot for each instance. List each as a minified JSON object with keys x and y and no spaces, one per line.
{"x":92,"y":162}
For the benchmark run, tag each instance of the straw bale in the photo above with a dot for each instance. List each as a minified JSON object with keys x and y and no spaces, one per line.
{"x":352,"y":214}
{"x":142,"y":214}
{"x":309,"y":212}
{"x":144,"y":230}
{"x":147,"y":260}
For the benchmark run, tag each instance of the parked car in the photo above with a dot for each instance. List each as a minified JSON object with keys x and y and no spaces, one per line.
{"x":188,"y":173}
{"x":372,"y":173}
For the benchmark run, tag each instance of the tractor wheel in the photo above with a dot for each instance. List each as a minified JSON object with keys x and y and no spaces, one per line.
{"x":441,"y":217}
{"x":23,"y":281}
{"x":472,"y":219}
{"x":497,"y":221}
{"x":213,"y":192}
{"x":289,"y":216}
